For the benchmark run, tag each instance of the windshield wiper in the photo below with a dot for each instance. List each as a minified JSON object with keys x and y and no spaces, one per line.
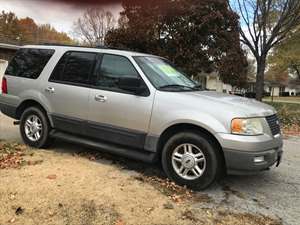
{"x":198,"y":87}
{"x":175,"y":86}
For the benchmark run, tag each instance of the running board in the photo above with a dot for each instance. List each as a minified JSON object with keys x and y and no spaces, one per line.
{"x":140,"y":155}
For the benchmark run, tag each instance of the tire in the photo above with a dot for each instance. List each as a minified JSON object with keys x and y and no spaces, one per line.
{"x":42,"y":140}
{"x":209,"y":164}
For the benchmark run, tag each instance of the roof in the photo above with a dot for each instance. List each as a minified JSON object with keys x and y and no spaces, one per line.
{"x":88,"y":49}
{"x":9,"y":46}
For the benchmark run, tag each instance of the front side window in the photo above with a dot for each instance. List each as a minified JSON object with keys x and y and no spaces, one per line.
{"x":114,"y":67}
{"x":74,"y":67}
{"x":165,"y":76}
{"x":29,"y":63}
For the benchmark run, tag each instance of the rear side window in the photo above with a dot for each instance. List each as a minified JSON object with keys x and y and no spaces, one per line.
{"x":74,"y":67}
{"x":29,"y":63}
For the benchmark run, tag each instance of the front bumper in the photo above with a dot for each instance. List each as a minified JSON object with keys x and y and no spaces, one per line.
{"x":240,"y":152}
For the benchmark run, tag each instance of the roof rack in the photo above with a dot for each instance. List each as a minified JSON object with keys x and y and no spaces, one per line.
{"x":80,"y":46}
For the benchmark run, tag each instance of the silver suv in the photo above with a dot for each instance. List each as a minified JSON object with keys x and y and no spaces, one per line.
{"x":138,"y":106}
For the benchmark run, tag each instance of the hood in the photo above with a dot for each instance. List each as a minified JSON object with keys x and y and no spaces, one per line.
{"x":248,"y":107}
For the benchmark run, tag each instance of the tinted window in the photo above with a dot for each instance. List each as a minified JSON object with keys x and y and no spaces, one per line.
{"x":163,"y":75}
{"x":112,"y":68}
{"x":74,"y":67}
{"x":29,"y":63}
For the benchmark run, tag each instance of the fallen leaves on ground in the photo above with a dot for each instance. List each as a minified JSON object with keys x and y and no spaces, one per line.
{"x":12,"y":156}
{"x":51,"y":177}
{"x":90,"y":155}
{"x":232,"y":218}
{"x":119,"y":222}
{"x":293,"y":130}
{"x":176,"y":193}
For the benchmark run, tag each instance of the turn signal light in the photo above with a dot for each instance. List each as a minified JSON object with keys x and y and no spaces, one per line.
{"x":237,"y":126}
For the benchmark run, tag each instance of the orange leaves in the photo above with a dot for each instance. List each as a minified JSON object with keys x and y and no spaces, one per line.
{"x":12,"y":155}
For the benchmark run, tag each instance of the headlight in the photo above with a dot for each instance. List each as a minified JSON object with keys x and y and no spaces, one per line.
{"x":252,"y":126}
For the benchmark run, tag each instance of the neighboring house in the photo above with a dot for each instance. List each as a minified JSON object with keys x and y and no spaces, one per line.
{"x":287,"y":88}
{"x":212,"y":82}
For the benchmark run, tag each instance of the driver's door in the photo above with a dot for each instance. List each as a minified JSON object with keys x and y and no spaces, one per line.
{"x":116,"y":115}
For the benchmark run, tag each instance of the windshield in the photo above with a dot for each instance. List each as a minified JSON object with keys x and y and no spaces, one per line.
{"x":164,"y":76}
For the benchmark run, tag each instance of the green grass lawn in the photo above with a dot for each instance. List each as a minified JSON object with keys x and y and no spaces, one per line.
{"x":283,"y":99}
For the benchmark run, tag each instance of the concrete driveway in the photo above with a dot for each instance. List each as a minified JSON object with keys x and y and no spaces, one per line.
{"x":273,"y":193}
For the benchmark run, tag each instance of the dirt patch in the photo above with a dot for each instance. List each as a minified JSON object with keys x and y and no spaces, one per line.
{"x":76,"y":211}
{"x":85,"y":212}
{"x":88,"y":189}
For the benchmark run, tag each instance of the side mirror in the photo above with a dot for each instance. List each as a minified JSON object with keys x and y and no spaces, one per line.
{"x":132,"y":84}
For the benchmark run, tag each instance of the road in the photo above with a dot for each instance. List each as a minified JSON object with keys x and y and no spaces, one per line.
{"x":274,"y":193}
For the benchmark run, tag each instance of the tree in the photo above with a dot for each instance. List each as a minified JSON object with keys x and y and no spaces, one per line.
{"x":285,"y":58}
{"x":25,"y":31}
{"x":93,"y":26}
{"x":28,"y":31}
{"x":198,"y":36}
{"x":46,"y":33}
{"x":9,"y":29}
{"x":264,"y":25}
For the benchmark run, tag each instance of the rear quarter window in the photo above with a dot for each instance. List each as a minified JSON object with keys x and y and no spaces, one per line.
{"x":29,"y":63}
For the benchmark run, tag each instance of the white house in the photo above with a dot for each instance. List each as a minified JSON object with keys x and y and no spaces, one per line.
{"x":212,"y":81}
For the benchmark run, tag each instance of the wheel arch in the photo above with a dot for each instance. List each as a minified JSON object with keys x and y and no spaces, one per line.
{"x":182,"y":127}
{"x":29,"y":103}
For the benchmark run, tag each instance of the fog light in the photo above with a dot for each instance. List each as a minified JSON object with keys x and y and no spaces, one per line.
{"x":259,"y":159}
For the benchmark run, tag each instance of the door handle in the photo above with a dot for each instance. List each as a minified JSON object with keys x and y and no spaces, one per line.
{"x":50,"y":90}
{"x":100,"y":98}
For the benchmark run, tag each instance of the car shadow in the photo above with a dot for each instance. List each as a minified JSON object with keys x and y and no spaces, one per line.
{"x":265,"y":178}
{"x":147,"y":169}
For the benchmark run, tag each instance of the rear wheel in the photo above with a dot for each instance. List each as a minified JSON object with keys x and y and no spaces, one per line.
{"x":191,"y":159}
{"x":35,"y":128}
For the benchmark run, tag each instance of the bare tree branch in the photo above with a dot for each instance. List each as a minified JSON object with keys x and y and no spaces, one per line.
{"x":93,"y":26}
{"x":267,"y":22}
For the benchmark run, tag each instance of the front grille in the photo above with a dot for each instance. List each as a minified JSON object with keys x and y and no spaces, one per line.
{"x":274,"y":124}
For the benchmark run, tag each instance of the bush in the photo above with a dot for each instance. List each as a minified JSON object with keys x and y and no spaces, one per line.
{"x":250,"y":94}
{"x":284,"y":94}
{"x":288,"y":113}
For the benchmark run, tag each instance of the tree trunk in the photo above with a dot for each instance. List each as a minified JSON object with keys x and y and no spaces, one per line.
{"x":260,"y":77}
{"x":297,"y":71}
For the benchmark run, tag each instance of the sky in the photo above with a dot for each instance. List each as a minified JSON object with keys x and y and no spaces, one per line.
{"x":61,"y":14}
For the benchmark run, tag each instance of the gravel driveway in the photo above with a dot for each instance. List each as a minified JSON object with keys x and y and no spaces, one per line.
{"x":273,"y":193}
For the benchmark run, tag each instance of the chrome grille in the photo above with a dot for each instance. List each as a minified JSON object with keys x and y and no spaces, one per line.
{"x":273,"y":124}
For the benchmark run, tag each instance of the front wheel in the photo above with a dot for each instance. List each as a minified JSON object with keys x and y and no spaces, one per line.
{"x":191,"y":159}
{"x":35,"y":128}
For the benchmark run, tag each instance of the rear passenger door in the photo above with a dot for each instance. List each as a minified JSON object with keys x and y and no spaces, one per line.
{"x":68,"y":91}
{"x":116,"y":115}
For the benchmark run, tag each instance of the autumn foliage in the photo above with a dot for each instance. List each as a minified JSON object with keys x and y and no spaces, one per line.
{"x":198,"y":36}
{"x":25,"y":31}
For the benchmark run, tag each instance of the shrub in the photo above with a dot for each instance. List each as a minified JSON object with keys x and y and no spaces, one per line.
{"x":288,"y":113}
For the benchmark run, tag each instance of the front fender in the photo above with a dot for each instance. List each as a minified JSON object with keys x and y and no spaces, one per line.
{"x":161,"y":122}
